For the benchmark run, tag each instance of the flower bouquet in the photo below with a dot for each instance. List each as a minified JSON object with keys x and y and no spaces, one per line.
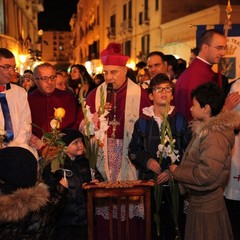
{"x":55,"y":150}
{"x":166,"y":150}
{"x":94,"y":127}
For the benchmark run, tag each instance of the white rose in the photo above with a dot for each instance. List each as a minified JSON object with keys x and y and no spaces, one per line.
{"x":54,"y":124}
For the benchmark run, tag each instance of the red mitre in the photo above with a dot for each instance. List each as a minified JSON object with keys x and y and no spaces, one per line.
{"x":112,"y":55}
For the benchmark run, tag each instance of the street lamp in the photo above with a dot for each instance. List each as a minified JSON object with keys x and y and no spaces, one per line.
{"x":22,"y":59}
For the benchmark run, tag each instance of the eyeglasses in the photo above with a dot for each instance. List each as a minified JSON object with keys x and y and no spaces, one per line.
{"x":219,"y":48}
{"x":8,"y":68}
{"x":161,"y":89}
{"x":46,"y":78}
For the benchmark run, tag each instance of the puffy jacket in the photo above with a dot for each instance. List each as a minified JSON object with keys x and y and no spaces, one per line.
{"x":29,"y":213}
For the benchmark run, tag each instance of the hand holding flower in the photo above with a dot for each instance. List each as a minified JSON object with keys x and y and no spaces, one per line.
{"x":163,"y":177}
{"x":64,"y":182}
{"x":172,"y":168}
{"x":154,"y":166}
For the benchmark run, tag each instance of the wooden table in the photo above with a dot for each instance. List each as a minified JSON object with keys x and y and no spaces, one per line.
{"x":118,"y":191}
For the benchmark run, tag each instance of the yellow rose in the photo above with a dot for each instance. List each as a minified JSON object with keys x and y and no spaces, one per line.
{"x":55,"y":124}
{"x":59,"y":112}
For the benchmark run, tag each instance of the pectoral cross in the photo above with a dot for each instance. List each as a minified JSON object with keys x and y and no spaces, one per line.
{"x":238,"y":178}
{"x":114,"y":124}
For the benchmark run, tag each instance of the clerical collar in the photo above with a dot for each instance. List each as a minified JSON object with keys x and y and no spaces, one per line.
{"x":204,"y":61}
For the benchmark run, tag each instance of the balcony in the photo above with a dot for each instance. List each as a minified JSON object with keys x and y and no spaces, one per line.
{"x":111,"y":33}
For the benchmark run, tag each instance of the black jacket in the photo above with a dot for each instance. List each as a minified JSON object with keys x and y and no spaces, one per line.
{"x":146,"y":138}
{"x":74,"y":212}
{"x":29,"y":213}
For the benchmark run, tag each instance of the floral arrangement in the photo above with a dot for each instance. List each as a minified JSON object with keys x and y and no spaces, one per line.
{"x":166,"y":150}
{"x":55,"y":150}
{"x":94,"y":127}
{"x":2,"y":136}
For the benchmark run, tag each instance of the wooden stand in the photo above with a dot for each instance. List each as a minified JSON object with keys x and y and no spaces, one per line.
{"x":119,"y":191}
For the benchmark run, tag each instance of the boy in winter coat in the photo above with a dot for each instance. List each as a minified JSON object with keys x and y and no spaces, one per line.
{"x":205,"y":166}
{"x":72,"y":220}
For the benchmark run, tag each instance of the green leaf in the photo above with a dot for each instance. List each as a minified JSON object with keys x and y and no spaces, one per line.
{"x":48,"y":135}
{"x":55,"y":165}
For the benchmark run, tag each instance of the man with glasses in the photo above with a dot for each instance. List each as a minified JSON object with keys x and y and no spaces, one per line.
{"x":143,"y":148}
{"x":212,"y":46}
{"x":46,"y":98}
{"x":15,"y":116}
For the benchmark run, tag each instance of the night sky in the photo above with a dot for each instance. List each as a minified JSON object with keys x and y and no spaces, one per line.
{"x":56,"y":15}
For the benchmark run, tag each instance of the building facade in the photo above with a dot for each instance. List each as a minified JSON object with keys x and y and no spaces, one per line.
{"x":142,"y":26}
{"x":19,"y":28}
{"x":57,"y":48}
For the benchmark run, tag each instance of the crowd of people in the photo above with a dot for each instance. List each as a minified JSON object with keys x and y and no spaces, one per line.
{"x":197,"y":106}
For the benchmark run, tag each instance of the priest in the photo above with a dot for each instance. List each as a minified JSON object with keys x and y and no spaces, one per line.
{"x":124,"y":101}
{"x":124,"y":105}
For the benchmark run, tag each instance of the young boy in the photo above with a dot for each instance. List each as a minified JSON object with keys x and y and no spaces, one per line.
{"x":205,"y":166}
{"x":143,"y":147}
{"x":72,"y":221}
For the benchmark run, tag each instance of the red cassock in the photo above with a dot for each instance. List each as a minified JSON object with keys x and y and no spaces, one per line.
{"x":197,"y":73}
{"x":42,"y":109}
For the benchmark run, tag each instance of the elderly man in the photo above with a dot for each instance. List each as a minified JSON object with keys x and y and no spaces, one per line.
{"x":15,"y":116}
{"x":47,"y":97}
{"x":212,"y":47}
{"x":124,"y":105}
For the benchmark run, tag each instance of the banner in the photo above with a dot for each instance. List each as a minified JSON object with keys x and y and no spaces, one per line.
{"x":230,"y":63}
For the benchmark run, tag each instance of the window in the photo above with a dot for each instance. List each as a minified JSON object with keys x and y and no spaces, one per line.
{"x":113,"y":24}
{"x":140,"y":21}
{"x":2,"y":15}
{"x":127,"y":48}
{"x":124,"y":12}
{"x":145,"y":44}
{"x":156,"y":5}
{"x":146,"y":17}
{"x":130,"y":14}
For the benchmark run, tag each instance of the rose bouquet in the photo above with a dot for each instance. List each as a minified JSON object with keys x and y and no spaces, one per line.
{"x":55,"y":150}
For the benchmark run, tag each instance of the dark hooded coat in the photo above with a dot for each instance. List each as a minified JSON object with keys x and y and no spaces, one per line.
{"x":29,"y":213}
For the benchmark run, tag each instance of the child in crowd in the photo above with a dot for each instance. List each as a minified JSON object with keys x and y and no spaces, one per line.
{"x":143,"y":147}
{"x":27,"y":211}
{"x":27,"y":81}
{"x":205,"y":167}
{"x":72,"y":221}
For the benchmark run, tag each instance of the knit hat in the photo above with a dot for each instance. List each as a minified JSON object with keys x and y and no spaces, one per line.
{"x":70,"y":135}
{"x":18,"y":167}
{"x":112,"y":55}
